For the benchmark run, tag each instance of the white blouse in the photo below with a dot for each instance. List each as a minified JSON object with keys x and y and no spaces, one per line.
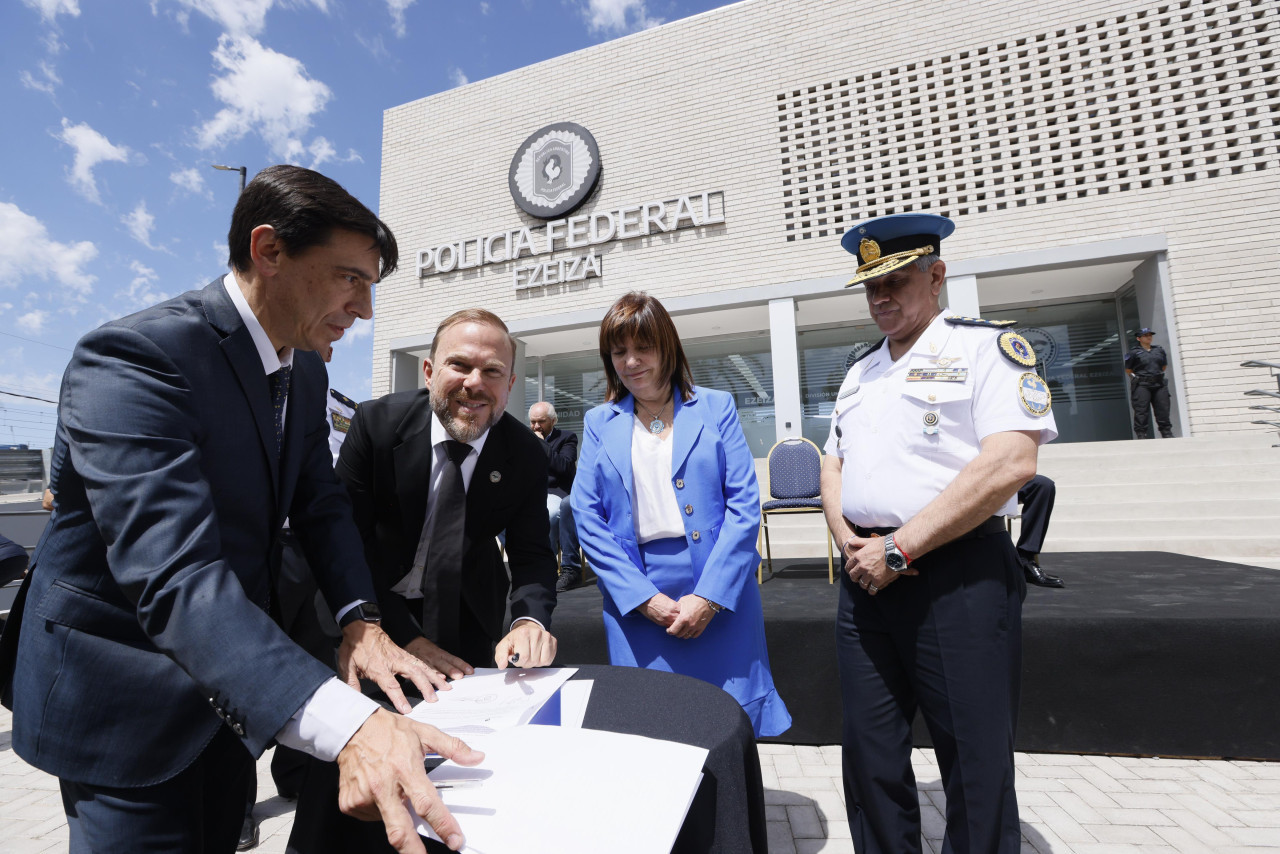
{"x":655,"y":510}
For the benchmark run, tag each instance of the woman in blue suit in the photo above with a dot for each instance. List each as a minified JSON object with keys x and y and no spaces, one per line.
{"x":668,"y":510}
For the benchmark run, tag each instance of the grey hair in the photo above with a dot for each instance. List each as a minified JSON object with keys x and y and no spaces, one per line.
{"x":551,"y":410}
{"x":924,"y":262}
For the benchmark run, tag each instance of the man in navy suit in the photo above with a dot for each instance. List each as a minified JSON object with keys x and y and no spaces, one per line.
{"x":149,"y":671}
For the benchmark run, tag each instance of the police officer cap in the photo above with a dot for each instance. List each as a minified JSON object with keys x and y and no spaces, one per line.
{"x":1146,"y":330}
{"x":889,"y":243}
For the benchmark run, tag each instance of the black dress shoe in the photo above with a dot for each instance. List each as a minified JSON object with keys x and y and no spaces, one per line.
{"x":248,"y":834}
{"x":1037,"y":576}
{"x":568,"y":580}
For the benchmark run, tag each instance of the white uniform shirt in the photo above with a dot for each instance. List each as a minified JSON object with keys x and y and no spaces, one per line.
{"x":895,"y":461}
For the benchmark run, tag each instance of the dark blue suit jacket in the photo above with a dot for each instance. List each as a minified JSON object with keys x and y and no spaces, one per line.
{"x":146,"y":621}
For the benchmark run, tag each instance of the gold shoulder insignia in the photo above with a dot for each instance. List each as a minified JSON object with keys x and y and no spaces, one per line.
{"x":957,"y":320}
{"x":1016,"y":349}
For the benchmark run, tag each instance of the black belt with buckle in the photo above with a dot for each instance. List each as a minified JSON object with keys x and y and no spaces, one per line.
{"x":992,"y":526}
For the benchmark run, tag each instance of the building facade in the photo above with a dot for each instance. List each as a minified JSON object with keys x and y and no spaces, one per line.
{"x":1111,"y":165}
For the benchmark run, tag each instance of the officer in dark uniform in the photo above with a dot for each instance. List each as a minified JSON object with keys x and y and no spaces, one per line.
{"x":1146,"y":365}
{"x":935,"y":429}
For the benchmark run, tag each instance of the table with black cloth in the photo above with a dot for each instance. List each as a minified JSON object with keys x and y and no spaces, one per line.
{"x":726,"y":817}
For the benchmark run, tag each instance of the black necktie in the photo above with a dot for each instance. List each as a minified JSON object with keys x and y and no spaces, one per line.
{"x":279,"y":391}
{"x":442,"y":544}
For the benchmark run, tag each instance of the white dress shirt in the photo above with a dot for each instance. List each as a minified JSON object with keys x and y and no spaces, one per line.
{"x":656,"y":511}
{"x":325,"y":723}
{"x":895,"y":461}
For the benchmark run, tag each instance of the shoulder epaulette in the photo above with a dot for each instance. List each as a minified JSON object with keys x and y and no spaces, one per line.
{"x":978,"y":321}
{"x":849,"y":363}
{"x":342,"y":398}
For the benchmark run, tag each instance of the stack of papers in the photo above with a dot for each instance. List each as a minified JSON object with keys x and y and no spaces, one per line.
{"x":491,"y":700}
{"x":558,"y":790}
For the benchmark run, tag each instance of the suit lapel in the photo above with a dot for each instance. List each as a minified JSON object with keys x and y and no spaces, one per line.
{"x":494,"y":461}
{"x":688,"y":425}
{"x":237,"y":345}
{"x":616,"y":438}
{"x":412,"y":458}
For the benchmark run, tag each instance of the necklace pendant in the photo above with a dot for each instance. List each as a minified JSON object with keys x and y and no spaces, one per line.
{"x":656,"y":426}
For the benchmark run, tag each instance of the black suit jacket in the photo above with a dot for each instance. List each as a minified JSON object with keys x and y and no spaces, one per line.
{"x":146,"y":623}
{"x":386,"y":464}
{"x":562,"y":461}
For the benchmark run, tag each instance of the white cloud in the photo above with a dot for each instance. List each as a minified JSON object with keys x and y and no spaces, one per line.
{"x":33,"y":321}
{"x":51,"y":9}
{"x":140,"y":293}
{"x":484,"y":8}
{"x":48,"y":81}
{"x":26,"y":250}
{"x":191,"y":180}
{"x":91,"y":149}
{"x":397,"y":9}
{"x":238,"y":17}
{"x":457,"y":77}
{"x":265,"y":92}
{"x":140,"y":223}
{"x":618,"y":16}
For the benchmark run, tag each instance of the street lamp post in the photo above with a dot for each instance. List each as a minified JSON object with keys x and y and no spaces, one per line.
{"x":243,"y":170}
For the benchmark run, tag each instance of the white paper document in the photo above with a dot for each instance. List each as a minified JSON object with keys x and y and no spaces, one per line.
{"x":490,"y":700}
{"x":574,"y":697}
{"x":627,"y":794}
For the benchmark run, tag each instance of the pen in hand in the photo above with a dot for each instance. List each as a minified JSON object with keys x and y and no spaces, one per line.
{"x":514,"y":658}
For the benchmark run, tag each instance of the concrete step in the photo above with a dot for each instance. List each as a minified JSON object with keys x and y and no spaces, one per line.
{"x":1138,"y":492}
{"x":1238,"y":548}
{"x":1128,"y":447}
{"x":1180,"y":529}
{"x":1198,"y":456}
{"x":1083,"y":504}
{"x":1162,"y":472}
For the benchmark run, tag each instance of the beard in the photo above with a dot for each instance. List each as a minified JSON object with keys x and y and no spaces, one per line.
{"x":464,"y":428}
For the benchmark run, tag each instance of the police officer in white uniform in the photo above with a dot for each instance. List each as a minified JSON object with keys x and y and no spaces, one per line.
{"x":934,"y":430}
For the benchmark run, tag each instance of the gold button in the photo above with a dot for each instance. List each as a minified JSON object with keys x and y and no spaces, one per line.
{"x":688,"y":510}
{"x":932,"y":398}
{"x":696,"y":536}
{"x":679,"y":483}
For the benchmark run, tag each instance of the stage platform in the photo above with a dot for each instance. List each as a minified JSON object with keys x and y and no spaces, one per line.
{"x":1143,"y":653}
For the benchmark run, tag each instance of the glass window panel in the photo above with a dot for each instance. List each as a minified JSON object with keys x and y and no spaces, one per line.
{"x":573,"y":384}
{"x":824,"y":358}
{"x":1081,"y":357}
{"x":743,"y":367}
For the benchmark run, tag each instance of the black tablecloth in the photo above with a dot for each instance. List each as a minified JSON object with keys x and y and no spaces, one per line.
{"x":727,"y":814}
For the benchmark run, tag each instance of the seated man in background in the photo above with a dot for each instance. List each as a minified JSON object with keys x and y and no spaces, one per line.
{"x":562,"y":464}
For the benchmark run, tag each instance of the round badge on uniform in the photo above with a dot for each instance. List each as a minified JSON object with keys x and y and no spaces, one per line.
{"x":1017,"y":350}
{"x":495,"y":476}
{"x":1034,"y":394}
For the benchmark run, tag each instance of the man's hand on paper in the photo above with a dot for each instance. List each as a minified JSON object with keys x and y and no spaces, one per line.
{"x":367,"y":652}
{"x":534,"y":646}
{"x":442,"y":664}
{"x":381,"y":766}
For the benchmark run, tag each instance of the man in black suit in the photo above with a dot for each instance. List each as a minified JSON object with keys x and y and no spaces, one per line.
{"x":562,"y":464}
{"x":149,"y":671}
{"x":434,"y":476}
{"x":392,"y":464}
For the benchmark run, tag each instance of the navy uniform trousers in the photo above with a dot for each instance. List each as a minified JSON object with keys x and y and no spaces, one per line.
{"x":1036,"y":498}
{"x":948,"y":642}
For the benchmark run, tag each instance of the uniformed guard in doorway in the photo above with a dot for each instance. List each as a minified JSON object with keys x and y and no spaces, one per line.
{"x":1146,"y":365}
{"x":935,"y":428}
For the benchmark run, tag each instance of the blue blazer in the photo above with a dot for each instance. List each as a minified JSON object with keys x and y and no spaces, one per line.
{"x":146,"y":624}
{"x":713,"y":477}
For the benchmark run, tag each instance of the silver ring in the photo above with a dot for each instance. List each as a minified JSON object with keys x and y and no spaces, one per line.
{"x":873,"y":588}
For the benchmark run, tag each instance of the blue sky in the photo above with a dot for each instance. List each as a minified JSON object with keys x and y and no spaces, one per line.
{"x":117,"y":109}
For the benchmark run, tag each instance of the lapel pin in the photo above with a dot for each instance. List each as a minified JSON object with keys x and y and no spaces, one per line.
{"x":930,"y":423}
{"x":495,"y":476}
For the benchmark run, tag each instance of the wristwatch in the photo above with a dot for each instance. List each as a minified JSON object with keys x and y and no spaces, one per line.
{"x":367,"y":612}
{"x":893,"y":556}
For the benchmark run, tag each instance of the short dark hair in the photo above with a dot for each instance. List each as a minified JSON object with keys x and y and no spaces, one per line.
{"x":304,"y":207}
{"x":474,"y":315}
{"x":644,"y":320}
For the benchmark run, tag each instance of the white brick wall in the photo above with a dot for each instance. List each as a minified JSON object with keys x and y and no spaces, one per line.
{"x":694,"y":106}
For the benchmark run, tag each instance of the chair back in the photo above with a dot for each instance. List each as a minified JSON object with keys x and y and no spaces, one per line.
{"x":795,"y":469}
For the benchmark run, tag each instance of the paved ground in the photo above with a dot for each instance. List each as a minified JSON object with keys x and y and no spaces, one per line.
{"x":1084,"y":804}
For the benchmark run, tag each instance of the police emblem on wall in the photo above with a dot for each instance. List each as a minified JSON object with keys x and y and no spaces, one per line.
{"x":1042,"y":342}
{"x":554,"y":170}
